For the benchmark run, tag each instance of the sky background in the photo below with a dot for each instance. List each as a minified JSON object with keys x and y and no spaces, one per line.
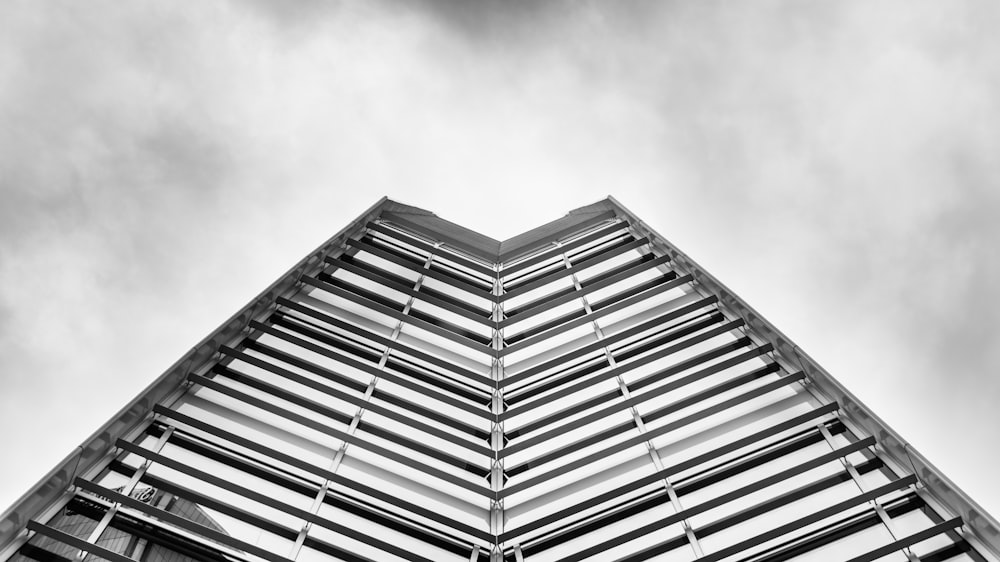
{"x":834,"y":163}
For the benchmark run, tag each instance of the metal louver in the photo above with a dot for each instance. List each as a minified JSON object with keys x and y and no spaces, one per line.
{"x":413,"y":390}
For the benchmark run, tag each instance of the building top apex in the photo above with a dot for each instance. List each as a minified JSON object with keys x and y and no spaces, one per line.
{"x":487,"y":248}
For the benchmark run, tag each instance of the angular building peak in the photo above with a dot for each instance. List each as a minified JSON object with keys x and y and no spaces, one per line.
{"x":414,"y":390}
{"x":486,"y":248}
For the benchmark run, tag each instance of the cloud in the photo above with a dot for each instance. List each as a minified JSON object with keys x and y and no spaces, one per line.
{"x":833,"y":163}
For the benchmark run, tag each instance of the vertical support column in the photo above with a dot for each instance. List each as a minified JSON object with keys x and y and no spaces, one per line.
{"x":859,"y":482}
{"x":126,"y":490}
{"x":356,"y":420}
{"x":497,"y":406}
{"x":675,"y":501}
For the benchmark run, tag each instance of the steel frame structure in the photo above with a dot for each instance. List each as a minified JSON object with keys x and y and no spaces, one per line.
{"x":413,"y":390}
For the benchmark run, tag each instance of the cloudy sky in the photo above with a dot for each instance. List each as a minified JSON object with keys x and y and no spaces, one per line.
{"x":836,"y":164}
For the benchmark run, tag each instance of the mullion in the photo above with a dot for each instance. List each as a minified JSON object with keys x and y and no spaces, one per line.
{"x":547,"y":269}
{"x":431,"y":319}
{"x":669,"y":316}
{"x":591,"y":261}
{"x":894,"y":507}
{"x":718,"y":501}
{"x":935,"y":517}
{"x":406,"y":367}
{"x":683,"y":328}
{"x":664,"y":279}
{"x":715,"y":390}
{"x":573,"y":371}
{"x":806,"y":490}
{"x":551,"y":267}
{"x":437,"y":298}
{"x":568,"y":232}
{"x":442,"y":266}
{"x":659,"y":496}
{"x":648,"y":435}
{"x":695,"y":339}
{"x":571,"y":360}
{"x":143,"y":528}
{"x":375,"y":301}
{"x":398,"y":522}
{"x":182,"y":522}
{"x":835,"y":531}
{"x":626,"y":270}
{"x":475,"y":342}
{"x":679,"y":330}
{"x":302,"y":328}
{"x":323,"y":336}
{"x":333,"y":477}
{"x":92,"y":548}
{"x":379,"y":298}
{"x":510,"y":250}
{"x":349,"y":342}
{"x":446,"y":240}
{"x":532,"y":278}
{"x":584,"y":253}
{"x":909,"y":540}
{"x":455,"y":301}
{"x":544,"y":267}
{"x":430,"y":413}
{"x":285,"y":357}
{"x":242,"y":515}
{"x":341,"y":435}
{"x":811,"y":518}
{"x":371,"y":428}
{"x":612,"y":395}
{"x":784,"y":499}
{"x":553,"y":252}
{"x":263,"y":499}
{"x":38,"y":553}
{"x":236,"y":459}
{"x":947,"y":552}
{"x":429,"y":248}
{"x":400,"y":258}
{"x":579,"y":320}
{"x":362,"y":403}
{"x":373,"y":370}
{"x":655,"y":340}
{"x":672,"y":470}
{"x":565,"y":321}
{"x":606,"y":279}
{"x":749,"y":513}
{"x":638,"y":439}
{"x":294,"y":484}
{"x":446,"y":268}
{"x":759,"y":456}
{"x":397,"y":245}
{"x":634,"y":401}
{"x":622,"y":369}
{"x":384,"y":341}
{"x":281,"y":394}
{"x":596,"y":521}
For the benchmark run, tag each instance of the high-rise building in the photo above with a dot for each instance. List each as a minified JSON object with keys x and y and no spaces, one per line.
{"x":414,"y":390}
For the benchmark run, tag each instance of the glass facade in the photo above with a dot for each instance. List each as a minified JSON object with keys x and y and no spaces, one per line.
{"x":416,"y":391}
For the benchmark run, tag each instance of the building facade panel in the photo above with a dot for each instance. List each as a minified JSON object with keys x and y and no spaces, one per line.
{"x":416,"y":391}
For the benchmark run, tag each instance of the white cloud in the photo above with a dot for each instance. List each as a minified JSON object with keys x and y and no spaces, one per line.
{"x":834,"y":164}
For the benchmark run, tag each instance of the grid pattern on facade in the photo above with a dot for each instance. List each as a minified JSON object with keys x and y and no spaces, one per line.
{"x":413,"y":399}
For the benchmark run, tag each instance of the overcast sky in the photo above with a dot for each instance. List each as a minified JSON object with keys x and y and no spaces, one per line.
{"x":835,"y":163}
